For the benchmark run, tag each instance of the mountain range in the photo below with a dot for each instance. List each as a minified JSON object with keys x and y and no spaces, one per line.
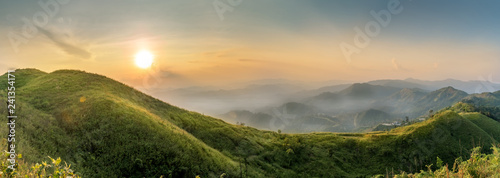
{"x":358,"y":107}
{"x":259,"y":94}
{"x":104,"y":128}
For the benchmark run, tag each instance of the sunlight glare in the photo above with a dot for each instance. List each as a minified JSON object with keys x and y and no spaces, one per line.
{"x":144,"y":59}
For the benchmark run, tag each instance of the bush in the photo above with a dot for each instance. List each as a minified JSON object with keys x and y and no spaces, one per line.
{"x":53,"y":168}
{"x":479,"y":165}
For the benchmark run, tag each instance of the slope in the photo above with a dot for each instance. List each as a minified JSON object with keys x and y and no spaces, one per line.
{"x":105,"y":128}
{"x":87,"y":120}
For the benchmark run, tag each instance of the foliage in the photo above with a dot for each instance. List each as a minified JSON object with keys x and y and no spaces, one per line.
{"x":54,"y":168}
{"x":478,"y":165}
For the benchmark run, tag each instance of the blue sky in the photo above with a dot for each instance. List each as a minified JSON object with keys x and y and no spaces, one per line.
{"x":258,"y":39}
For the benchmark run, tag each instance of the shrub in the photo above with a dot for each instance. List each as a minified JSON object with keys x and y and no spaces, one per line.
{"x":54,"y":168}
{"x":479,"y":165}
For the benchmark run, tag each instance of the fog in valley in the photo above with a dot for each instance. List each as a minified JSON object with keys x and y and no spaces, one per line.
{"x":333,"y":106}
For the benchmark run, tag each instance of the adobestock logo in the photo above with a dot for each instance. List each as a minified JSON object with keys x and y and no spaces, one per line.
{"x":221,"y":7}
{"x":362,"y":38}
{"x":488,"y":84}
{"x":29,"y":30}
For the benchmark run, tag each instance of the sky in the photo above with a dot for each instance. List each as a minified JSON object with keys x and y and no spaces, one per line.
{"x":220,"y":42}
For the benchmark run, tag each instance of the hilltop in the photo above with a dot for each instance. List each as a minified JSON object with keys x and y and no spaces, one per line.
{"x":105,"y":128}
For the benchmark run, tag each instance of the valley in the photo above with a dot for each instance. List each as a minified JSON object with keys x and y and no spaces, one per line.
{"x":360,"y":107}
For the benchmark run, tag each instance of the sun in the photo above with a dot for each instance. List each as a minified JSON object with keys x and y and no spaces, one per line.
{"x":144,"y":59}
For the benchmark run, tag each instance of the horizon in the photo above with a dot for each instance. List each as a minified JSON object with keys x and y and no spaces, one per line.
{"x":206,"y":44}
{"x":307,"y":85}
{"x":250,"y":88}
{"x":265,"y":94}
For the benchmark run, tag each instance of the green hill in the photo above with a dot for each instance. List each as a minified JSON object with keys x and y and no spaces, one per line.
{"x":371,"y":117}
{"x":488,"y":125}
{"x":105,"y":128}
{"x":485,"y":103}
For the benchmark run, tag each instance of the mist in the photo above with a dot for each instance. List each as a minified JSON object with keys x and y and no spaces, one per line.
{"x":300,"y":107}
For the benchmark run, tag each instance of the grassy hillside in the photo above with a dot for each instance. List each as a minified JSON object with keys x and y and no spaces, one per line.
{"x":104,"y":128}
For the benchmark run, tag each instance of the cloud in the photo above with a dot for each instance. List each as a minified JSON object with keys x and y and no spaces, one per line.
{"x":69,"y":48}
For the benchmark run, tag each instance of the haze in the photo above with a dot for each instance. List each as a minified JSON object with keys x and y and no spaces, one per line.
{"x":291,"y":40}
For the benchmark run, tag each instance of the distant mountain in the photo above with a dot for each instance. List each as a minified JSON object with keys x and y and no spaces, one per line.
{"x":419,"y":103}
{"x":355,"y":98}
{"x":258,"y":120}
{"x":260,"y":94}
{"x":368,"y":91}
{"x":297,"y":109}
{"x":326,"y":89}
{"x":314,"y":123}
{"x":353,"y":105}
{"x":484,"y":99}
{"x":217,"y":101}
{"x":365,"y":105}
{"x":441,"y":98}
{"x":290,"y":117}
{"x":266,"y":99}
{"x":470,"y":87}
{"x":407,"y":95}
{"x":370,"y":118}
{"x":397,"y":84}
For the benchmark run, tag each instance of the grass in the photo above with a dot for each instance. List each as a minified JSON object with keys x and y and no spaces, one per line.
{"x":52,"y":168}
{"x":478,"y":165}
{"x":104,"y":128}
